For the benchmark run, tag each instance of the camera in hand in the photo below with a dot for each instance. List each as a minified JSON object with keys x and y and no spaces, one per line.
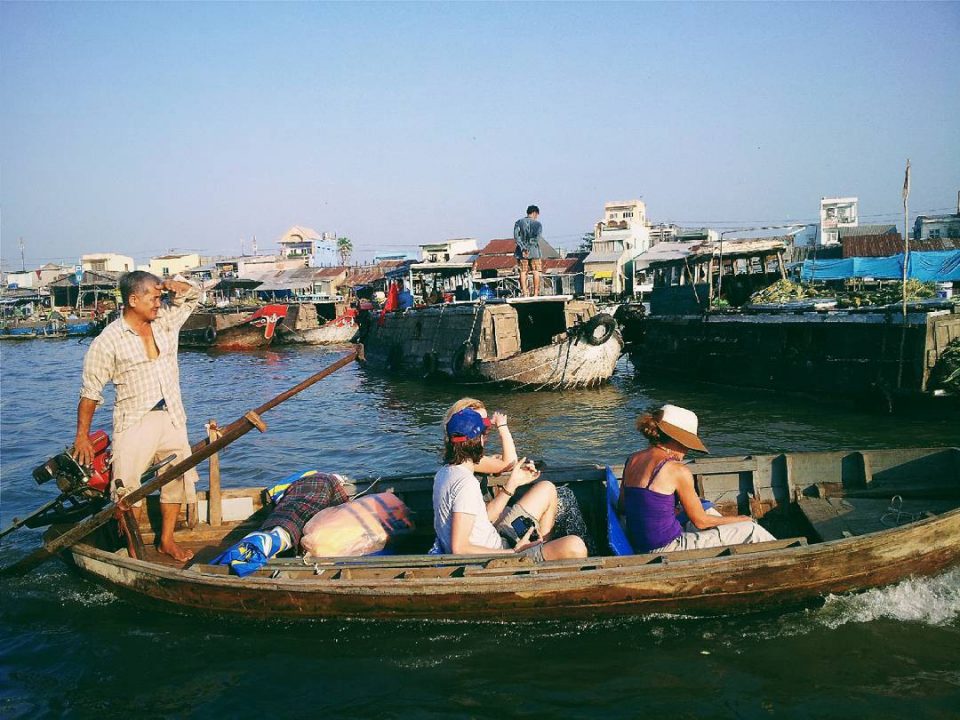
{"x":520,"y":526}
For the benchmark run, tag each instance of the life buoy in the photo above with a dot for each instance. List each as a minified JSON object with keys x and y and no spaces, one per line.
{"x":429,"y":364}
{"x":210,"y":335}
{"x":464,"y":358}
{"x":598,"y":329}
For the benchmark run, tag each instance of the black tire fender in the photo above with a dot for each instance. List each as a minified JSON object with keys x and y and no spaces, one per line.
{"x":395,"y":358}
{"x":210,"y":335}
{"x":429,"y":365}
{"x":598,"y":329}
{"x":464,"y":358}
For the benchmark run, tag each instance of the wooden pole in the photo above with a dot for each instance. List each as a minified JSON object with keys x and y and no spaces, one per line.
{"x":207,"y":448}
{"x":214,"y":501}
{"x":906,"y":261}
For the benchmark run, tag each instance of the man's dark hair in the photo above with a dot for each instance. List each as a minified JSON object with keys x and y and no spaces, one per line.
{"x":457,"y":453}
{"x":135,"y":282}
{"x":532,"y":209}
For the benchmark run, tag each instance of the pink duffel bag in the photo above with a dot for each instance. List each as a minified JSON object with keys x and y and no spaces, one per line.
{"x":358,"y":527}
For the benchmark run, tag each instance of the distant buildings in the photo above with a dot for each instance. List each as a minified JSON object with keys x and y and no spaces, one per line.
{"x":618,"y":238}
{"x":307,"y":245}
{"x":39,"y":278}
{"x":835,"y":214}
{"x":447,"y":250}
{"x":938,"y":227}
{"x":107,"y":262}
{"x":166,"y":266}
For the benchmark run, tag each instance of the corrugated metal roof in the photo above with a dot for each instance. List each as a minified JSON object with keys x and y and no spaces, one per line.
{"x":494,"y":262}
{"x":563,"y":266}
{"x":885,"y":245}
{"x":502,"y":246}
{"x":329,"y":272}
{"x":603,"y":257}
{"x":365,"y":275}
{"x":863,"y":230}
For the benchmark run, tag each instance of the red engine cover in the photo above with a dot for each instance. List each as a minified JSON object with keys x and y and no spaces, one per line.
{"x":100,"y":467}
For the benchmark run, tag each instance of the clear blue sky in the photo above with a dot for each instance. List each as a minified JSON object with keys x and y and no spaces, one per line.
{"x":139,"y":128}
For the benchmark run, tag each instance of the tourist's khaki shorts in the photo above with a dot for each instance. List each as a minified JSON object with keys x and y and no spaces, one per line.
{"x":739,"y":533}
{"x":154,"y":438}
{"x":535,"y":264}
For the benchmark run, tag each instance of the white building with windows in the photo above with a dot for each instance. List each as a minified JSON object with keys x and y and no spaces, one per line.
{"x":166,"y":266}
{"x":836,"y":214}
{"x":107,"y":262}
{"x":305,"y":244}
{"x":618,"y":238}
{"x":444,"y":251}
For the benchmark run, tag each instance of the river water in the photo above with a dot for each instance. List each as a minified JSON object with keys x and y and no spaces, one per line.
{"x":71,"y":649}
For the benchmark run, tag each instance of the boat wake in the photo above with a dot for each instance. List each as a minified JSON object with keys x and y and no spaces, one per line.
{"x":931,"y":601}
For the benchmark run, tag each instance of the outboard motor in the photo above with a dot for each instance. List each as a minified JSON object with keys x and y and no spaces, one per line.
{"x":83,"y":489}
{"x":73,"y":478}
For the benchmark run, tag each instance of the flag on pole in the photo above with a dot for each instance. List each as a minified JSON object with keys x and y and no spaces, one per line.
{"x":906,"y":182}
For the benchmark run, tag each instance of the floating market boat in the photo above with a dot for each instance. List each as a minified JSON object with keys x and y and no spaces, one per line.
{"x":544,"y":342}
{"x":31,"y":329}
{"x":232,"y":330}
{"x":322,"y":322}
{"x":847,"y":521}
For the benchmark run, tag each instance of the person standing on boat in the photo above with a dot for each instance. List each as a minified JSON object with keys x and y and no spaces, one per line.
{"x":527,"y":233}
{"x":653,"y":480}
{"x":404,"y":297}
{"x":137,"y":352}
{"x":466,"y":525}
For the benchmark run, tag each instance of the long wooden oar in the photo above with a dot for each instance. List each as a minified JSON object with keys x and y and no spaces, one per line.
{"x":203,"y":450}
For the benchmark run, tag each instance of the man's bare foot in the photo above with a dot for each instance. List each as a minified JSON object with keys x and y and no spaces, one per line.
{"x":175,"y":551}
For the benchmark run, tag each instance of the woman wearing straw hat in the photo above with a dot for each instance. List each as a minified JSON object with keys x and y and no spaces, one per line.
{"x":653,"y":480}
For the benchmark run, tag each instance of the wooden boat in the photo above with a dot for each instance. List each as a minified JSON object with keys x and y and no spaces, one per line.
{"x":31,"y":329}
{"x":322,"y":322}
{"x":232,"y":330}
{"x":847,"y":521}
{"x":83,"y":327}
{"x":544,"y":342}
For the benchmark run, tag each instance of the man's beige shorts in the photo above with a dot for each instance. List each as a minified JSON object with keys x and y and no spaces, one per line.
{"x":534,"y":264}
{"x":154,"y":438}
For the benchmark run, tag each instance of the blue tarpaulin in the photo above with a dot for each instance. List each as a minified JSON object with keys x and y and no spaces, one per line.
{"x":937,"y":266}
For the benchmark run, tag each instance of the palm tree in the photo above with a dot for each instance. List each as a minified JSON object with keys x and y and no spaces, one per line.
{"x":344,"y":249}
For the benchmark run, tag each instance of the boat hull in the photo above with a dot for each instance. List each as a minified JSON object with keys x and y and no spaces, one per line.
{"x":831,"y":510}
{"x":335,"y":333}
{"x":550,"y":342}
{"x":734,"y":584}
{"x":570,"y":364}
{"x":232,"y":331}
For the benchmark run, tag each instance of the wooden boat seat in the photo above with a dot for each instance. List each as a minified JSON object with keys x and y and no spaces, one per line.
{"x":834,"y":518}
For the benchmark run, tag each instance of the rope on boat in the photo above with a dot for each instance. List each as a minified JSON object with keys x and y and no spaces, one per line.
{"x":367,"y":489}
{"x":896,"y":515}
{"x":524,"y":371}
{"x":433,"y":346}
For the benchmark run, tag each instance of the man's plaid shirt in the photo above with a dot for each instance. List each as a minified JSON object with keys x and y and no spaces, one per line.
{"x":118,"y":354}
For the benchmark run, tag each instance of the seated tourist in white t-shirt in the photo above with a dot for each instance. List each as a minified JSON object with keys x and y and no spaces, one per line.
{"x":466,"y":525}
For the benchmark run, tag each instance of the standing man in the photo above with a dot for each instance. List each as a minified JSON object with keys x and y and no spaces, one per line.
{"x":404,"y":297}
{"x":138,"y":353}
{"x":527,"y":232}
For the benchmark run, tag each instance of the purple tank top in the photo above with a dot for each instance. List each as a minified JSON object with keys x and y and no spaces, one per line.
{"x":651,"y":516}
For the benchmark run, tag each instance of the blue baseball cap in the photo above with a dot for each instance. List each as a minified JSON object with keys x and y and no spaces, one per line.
{"x":466,"y":425}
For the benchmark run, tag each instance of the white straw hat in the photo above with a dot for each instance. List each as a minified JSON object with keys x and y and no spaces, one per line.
{"x":681,"y":425}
